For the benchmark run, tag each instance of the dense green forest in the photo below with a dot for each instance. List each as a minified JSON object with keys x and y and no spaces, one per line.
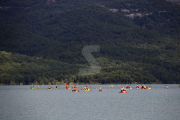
{"x":42,"y":41}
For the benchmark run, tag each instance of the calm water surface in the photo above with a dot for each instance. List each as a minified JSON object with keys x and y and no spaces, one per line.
{"x":19,"y":103}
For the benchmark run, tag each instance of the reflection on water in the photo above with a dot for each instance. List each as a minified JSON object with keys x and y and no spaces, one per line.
{"x":17,"y":103}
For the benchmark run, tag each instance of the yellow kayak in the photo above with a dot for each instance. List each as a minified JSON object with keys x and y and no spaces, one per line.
{"x":86,"y":90}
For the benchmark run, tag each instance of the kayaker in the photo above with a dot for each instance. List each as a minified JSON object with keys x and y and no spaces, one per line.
{"x":31,"y":87}
{"x":38,"y":87}
{"x":122,"y":89}
{"x":137,"y":86}
{"x":166,"y":86}
{"x":100,"y":88}
{"x":49,"y":87}
{"x":86,"y":88}
{"x":75,"y":88}
{"x":66,"y":86}
{"x":56,"y":87}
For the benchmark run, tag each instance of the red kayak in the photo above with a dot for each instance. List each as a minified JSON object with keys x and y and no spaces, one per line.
{"x":123,"y":92}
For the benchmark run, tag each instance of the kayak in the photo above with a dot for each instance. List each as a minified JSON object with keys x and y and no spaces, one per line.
{"x":137,"y":88}
{"x":100,"y":90}
{"x":144,"y":88}
{"x":86,"y":90}
{"x":37,"y":88}
{"x":56,"y":88}
{"x":49,"y":88}
{"x":128,"y":88}
{"x":111,"y":86}
{"x":74,"y":91}
{"x":148,"y":88}
{"x":31,"y":88}
{"x":123,"y":92}
{"x":68,"y":88}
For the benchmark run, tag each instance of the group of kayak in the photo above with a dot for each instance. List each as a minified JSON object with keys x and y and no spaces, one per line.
{"x":86,"y":88}
{"x":49,"y":87}
{"x":32,"y":87}
{"x":123,"y":90}
{"x":143,"y":87}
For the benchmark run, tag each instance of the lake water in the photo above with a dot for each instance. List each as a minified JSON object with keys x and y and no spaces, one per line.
{"x":20,"y":103}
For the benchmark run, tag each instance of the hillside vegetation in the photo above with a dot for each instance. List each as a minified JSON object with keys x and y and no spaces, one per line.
{"x":42,"y":42}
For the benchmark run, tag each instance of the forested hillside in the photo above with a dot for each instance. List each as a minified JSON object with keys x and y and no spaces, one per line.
{"x":42,"y":41}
